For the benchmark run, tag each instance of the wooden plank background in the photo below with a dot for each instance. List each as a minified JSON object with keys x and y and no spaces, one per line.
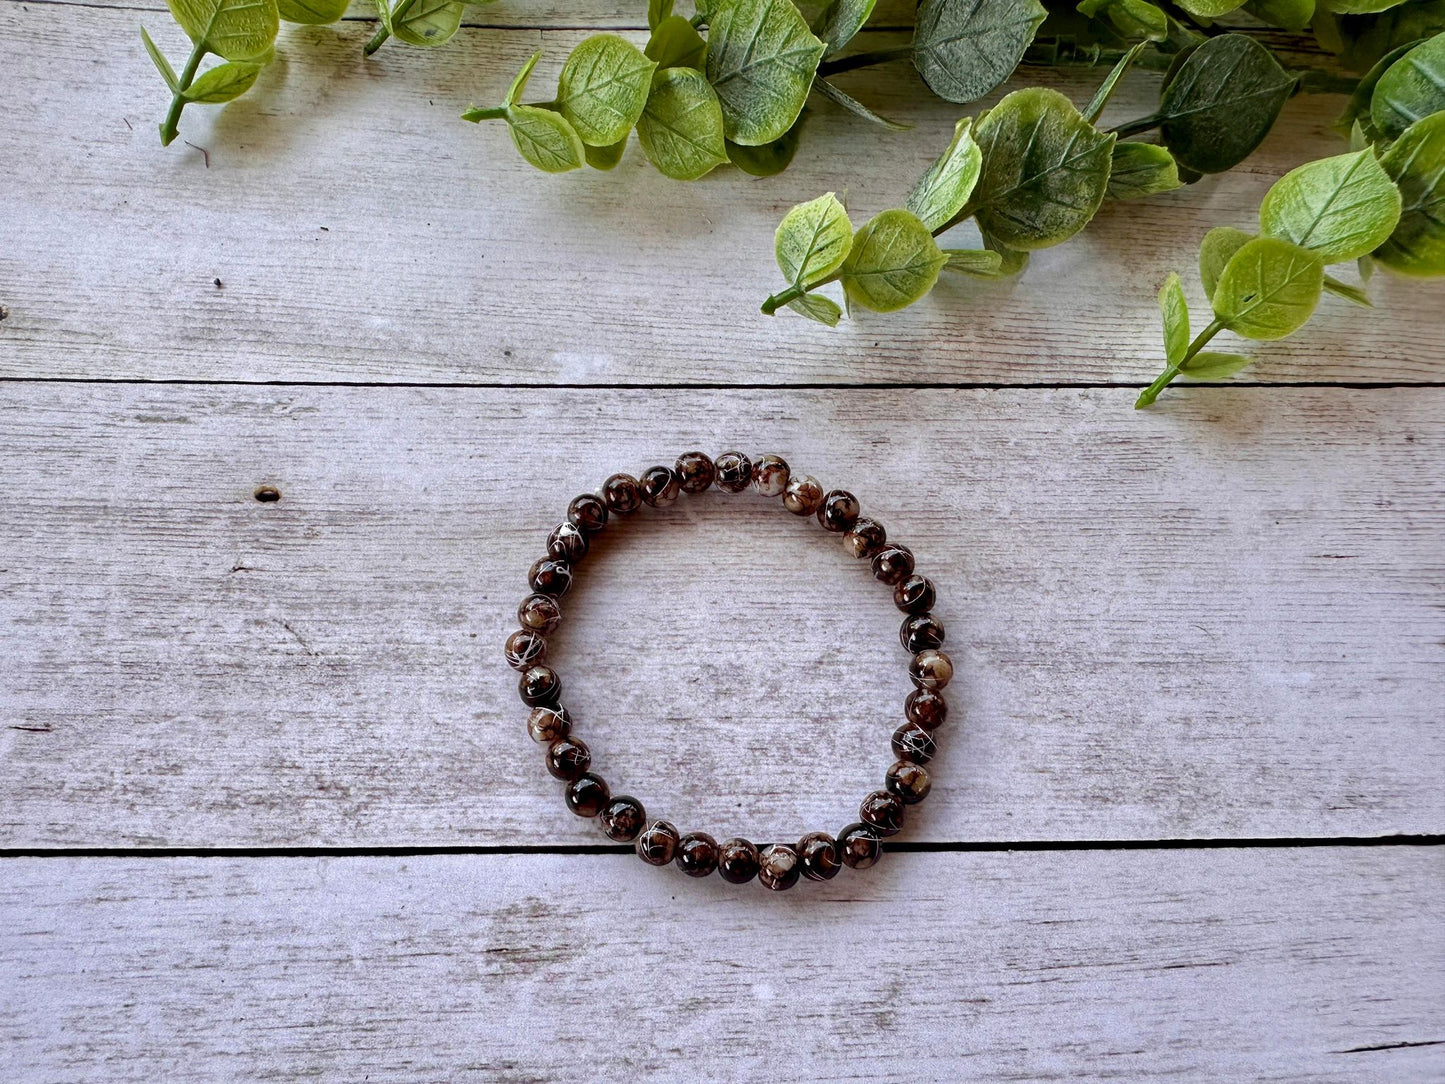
{"x":267,"y":809}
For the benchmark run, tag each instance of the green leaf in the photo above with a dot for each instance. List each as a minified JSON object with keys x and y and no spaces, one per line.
{"x":1141,"y":169}
{"x":980,"y":263}
{"x":1348,"y":292}
{"x":658,"y":12}
{"x":893,"y":262}
{"x":1411,"y":89}
{"x":1222,"y":102}
{"x":817,"y":307}
{"x":676,"y":44}
{"x":942,"y":191}
{"x":1210,"y":9}
{"x":603,"y":88}
{"x":232,"y":29}
{"x":761,"y":60}
{"x":311,"y":12}
{"x":604,"y":157}
{"x":158,"y":58}
{"x":1341,"y":207}
{"x":1359,"y":7}
{"x":681,"y":128}
{"x":1130,"y":19}
{"x":1111,"y":82}
{"x":965,"y":48}
{"x":848,"y":102}
{"x":223,"y":82}
{"x":519,"y":84}
{"x":1213,"y":365}
{"x":1045,"y":170}
{"x":1176,"y":319}
{"x":813,"y":240}
{"x":840,"y":21}
{"x":1285,"y":14}
{"x":545,"y":138}
{"x":1268,"y":289}
{"x":1366,"y":38}
{"x":767,"y":159}
{"x":1416,"y":163}
{"x":1011,"y":261}
{"x":1216,"y":250}
{"x":1357,"y":110}
{"x":424,"y":23}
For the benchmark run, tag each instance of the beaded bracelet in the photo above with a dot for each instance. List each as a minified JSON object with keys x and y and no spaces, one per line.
{"x":818,"y":855}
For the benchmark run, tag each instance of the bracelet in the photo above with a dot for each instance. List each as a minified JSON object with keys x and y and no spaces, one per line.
{"x":777,"y":866}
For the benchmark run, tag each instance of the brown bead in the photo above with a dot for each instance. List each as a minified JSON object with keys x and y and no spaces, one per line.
{"x":818,"y":851}
{"x":892,"y":563}
{"x":696,"y":854}
{"x":540,"y":613}
{"x":660,"y":486}
{"x":546,"y":724}
{"x":859,"y":846}
{"x":919,"y":632}
{"x":931,"y":669}
{"x":803,"y":496}
{"x":539,"y":685}
{"x":909,"y":781}
{"x":568,"y":542}
{"x":926,"y":708}
{"x":695,"y":472}
{"x":567,"y":758}
{"x":586,"y":795}
{"x":589,"y":512}
{"x":770,"y":475}
{"x":622,"y":494}
{"x":839,"y":511}
{"x":737,"y":861}
{"x":883,"y":812}
{"x":734,"y":472}
{"x":550,"y":576}
{"x":524,"y":648}
{"x":657,"y":843}
{"x":622,"y":818}
{"x":914,"y":744}
{"x":864,"y":538}
{"x":778,"y":867}
{"x":914,"y":595}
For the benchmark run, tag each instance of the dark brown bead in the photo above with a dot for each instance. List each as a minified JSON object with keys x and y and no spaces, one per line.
{"x":696,"y":854}
{"x":914,"y":744}
{"x":695,"y":472}
{"x":587,"y":511}
{"x":931,"y":669}
{"x":567,"y":758}
{"x":892,"y":563}
{"x":770,"y":475}
{"x":865,"y":537}
{"x":586,"y":795}
{"x":926,"y":708}
{"x":546,"y":724}
{"x":550,"y":576}
{"x":883,"y":812}
{"x":734,"y":472}
{"x":803,"y":496}
{"x":778,"y":867}
{"x":622,"y":818}
{"x":539,"y":684}
{"x":818,"y":851}
{"x":660,"y":486}
{"x":540,"y":613}
{"x":914,"y":595}
{"x":909,"y":781}
{"x":859,"y":846}
{"x":524,"y":648}
{"x":839,"y":511}
{"x":920,"y":632}
{"x":567,"y":542}
{"x":657,"y":843}
{"x":737,"y":861}
{"x":622,"y":494}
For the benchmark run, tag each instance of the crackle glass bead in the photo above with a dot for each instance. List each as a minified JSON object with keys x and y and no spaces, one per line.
{"x":859,"y":846}
{"x":919,"y":632}
{"x":914,"y":594}
{"x":931,"y":669}
{"x":550,"y":576}
{"x":586,"y":795}
{"x":864,"y":538}
{"x":567,"y":758}
{"x":883,"y":812}
{"x":892,"y":563}
{"x":539,"y":684}
{"x":914,"y":744}
{"x":770,"y":475}
{"x":546,"y":724}
{"x":660,"y":486}
{"x":568,"y":542}
{"x":695,"y":472}
{"x":696,"y":854}
{"x":657,"y":843}
{"x":926,"y":708}
{"x":734,"y":472}
{"x":909,"y":781}
{"x":737,"y":861}
{"x":540,"y":613}
{"x":622,"y":818}
{"x":588,"y":511}
{"x":839,"y":511}
{"x":778,"y":867}
{"x":525,"y":647}
{"x":622,"y":494}
{"x":818,"y":852}
{"x":803,"y":496}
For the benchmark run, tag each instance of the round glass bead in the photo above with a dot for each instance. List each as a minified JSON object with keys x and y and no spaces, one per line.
{"x":587,"y":511}
{"x":696,"y":854}
{"x":909,"y":781}
{"x":859,"y":846}
{"x":525,"y":647}
{"x":540,"y":613}
{"x":550,"y":576}
{"x":660,"y":486}
{"x":737,"y":861}
{"x":695,"y":472}
{"x":586,"y":795}
{"x":818,"y":851}
{"x":931,"y":669}
{"x":546,"y":724}
{"x":567,"y":542}
{"x":657,"y":843}
{"x":839,"y":511}
{"x":920,"y":631}
{"x":539,"y":684}
{"x":734,"y":472}
{"x":778,"y":867}
{"x":865,"y":537}
{"x":622,"y":494}
{"x":926,"y":708}
{"x":568,"y":758}
{"x":770,"y":475}
{"x":914,"y":744}
{"x":622,"y":818}
{"x":883,"y":812}
{"x":914,"y":594}
{"x":892,"y":563}
{"x":803,"y":496}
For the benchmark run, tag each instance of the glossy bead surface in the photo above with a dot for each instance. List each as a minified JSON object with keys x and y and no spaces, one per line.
{"x":539,"y":684}
{"x":931,"y":669}
{"x":864,"y":538}
{"x":660,"y":486}
{"x":839,"y":511}
{"x":695,"y":472}
{"x":546,"y":724}
{"x":586,"y":795}
{"x":540,"y":613}
{"x":587,"y":511}
{"x":696,"y":854}
{"x":803,"y":496}
{"x":926,"y":708}
{"x":883,"y":812}
{"x":567,"y":542}
{"x":920,"y":632}
{"x":737,"y":861}
{"x":909,"y":781}
{"x":568,"y":758}
{"x":914,"y":594}
{"x":914,"y":744}
{"x":818,"y":852}
{"x":622,"y":494}
{"x":770,"y":475}
{"x":525,"y":647}
{"x":892,"y":563}
{"x":778,"y":867}
{"x":859,"y":846}
{"x":734,"y":472}
{"x":622,"y":818}
{"x":657,"y":843}
{"x":550,"y":576}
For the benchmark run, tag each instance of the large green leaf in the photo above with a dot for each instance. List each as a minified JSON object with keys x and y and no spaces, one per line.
{"x":965,"y":48}
{"x":232,"y":29}
{"x":681,"y":128}
{"x":545,"y":138}
{"x":1340,"y":207}
{"x":1045,"y":170}
{"x":893,"y":262}
{"x":1411,"y":89}
{"x":1268,"y":289}
{"x":1141,"y":169}
{"x":603,"y":87}
{"x":1215,"y":251}
{"x":840,"y":21}
{"x":425,"y":23}
{"x":761,"y":60}
{"x":311,"y":12}
{"x":813,"y":240}
{"x":1221,"y":102}
{"x":944,"y":189}
{"x":676,"y":44}
{"x":223,"y":82}
{"x":1416,"y":163}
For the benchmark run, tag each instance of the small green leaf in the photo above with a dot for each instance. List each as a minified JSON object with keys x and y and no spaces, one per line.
{"x":519,"y":84}
{"x":817,"y":307}
{"x":1365,"y":265}
{"x":1011,"y":261}
{"x":944,"y":189}
{"x":893,"y":262}
{"x":848,"y":102}
{"x":658,"y":12}
{"x":1268,"y":289}
{"x":1111,"y":82}
{"x":1359,"y":7}
{"x":604,"y":157}
{"x":1130,"y":19}
{"x":767,"y":159}
{"x":813,"y":240}
{"x":840,"y":21}
{"x":603,"y":88}
{"x":1341,"y":207}
{"x":681,"y":128}
{"x":1411,"y":89}
{"x":1215,"y":251}
{"x":1213,"y":365}
{"x":980,"y":263}
{"x":1357,"y":110}
{"x":965,"y":48}
{"x":223,"y":82}
{"x":311,"y":12}
{"x":158,"y":58}
{"x":1176,"y":319}
{"x":1141,"y":169}
{"x":1416,"y":163}
{"x":761,"y":60}
{"x":1348,"y":292}
{"x":676,"y":44}
{"x":232,"y":29}
{"x":545,"y":138}
{"x":1285,"y":14}
{"x":424,"y":23}
{"x":1210,"y":9}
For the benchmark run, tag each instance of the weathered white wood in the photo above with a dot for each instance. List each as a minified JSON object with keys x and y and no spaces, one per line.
{"x":364,"y":233}
{"x":1218,"y":618}
{"x":1318,"y":965}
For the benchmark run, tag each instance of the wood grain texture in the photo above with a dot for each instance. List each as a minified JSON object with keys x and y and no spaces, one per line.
{"x":1318,"y":965}
{"x":362,"y":232}
{"x":1218,"y":618}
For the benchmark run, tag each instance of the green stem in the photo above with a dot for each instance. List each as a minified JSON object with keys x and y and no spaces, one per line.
{"x":778,"y":300}
{"x":377,"y":41}
{"x":864,"y":60}
{"x":178,"y":97}
{"x":379,"y":38}
{"x":1164,"y":379}
{"x":475,"y":115}
{"x":1134,"y":127}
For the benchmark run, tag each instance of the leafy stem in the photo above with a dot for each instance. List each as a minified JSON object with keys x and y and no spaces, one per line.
{"x":1164,"y":379}
{"x":377,"y":41}
{"x":387,"y":21}
{"x":170,"y":126}
{"x":792,"y":293}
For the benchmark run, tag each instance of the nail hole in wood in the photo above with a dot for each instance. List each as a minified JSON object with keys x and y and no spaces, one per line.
{"x":268,"y":494}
